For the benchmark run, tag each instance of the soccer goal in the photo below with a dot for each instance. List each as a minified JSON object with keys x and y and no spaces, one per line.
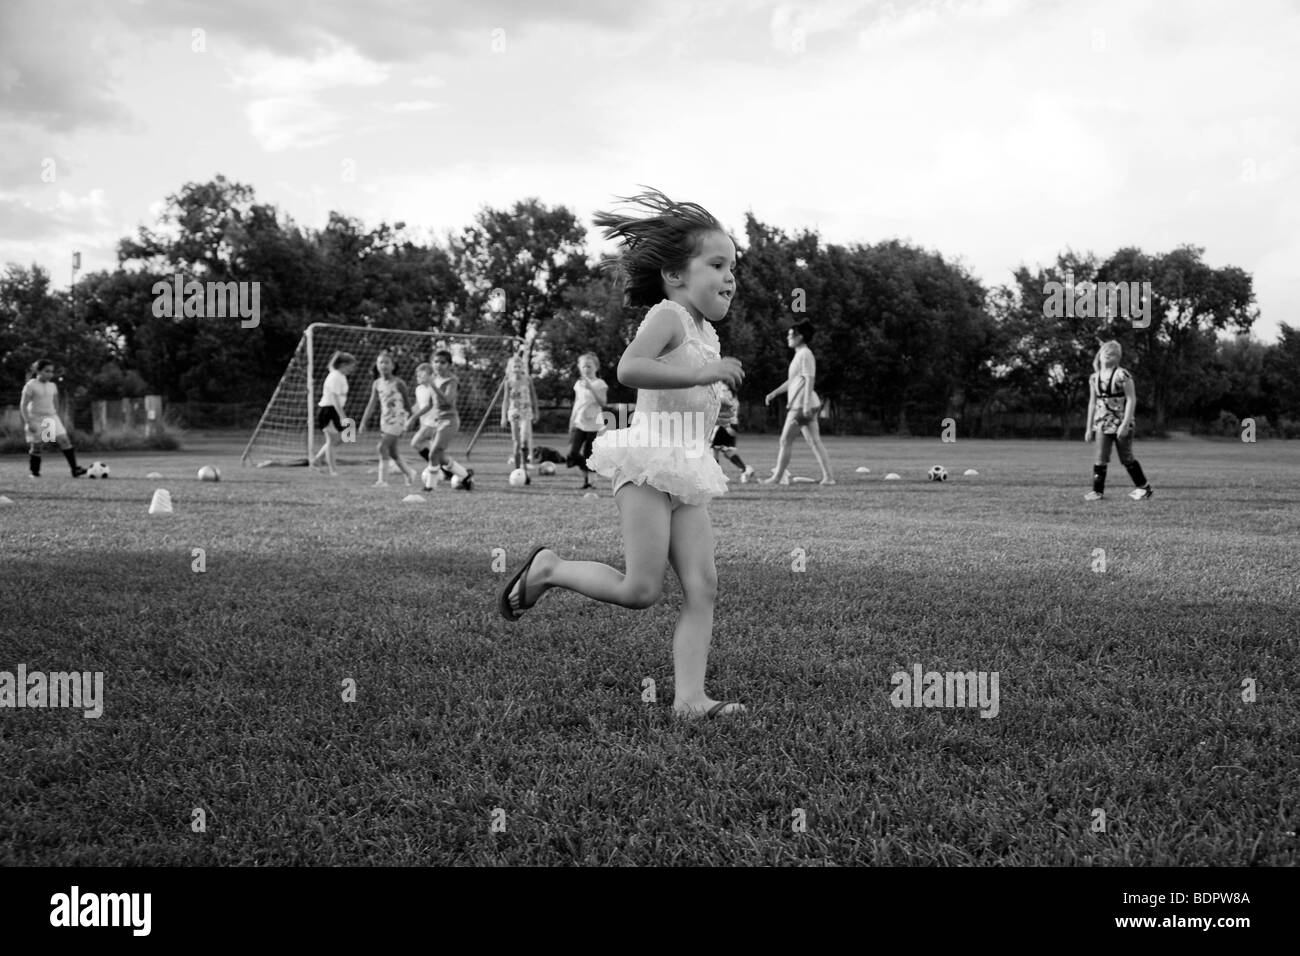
{"x":287,"y":434}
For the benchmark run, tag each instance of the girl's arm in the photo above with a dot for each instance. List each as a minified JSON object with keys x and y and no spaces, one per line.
{"x":809,"y":377}
{"x":779,"y":390}
{"x":451,"y":390}
{"x":505,"y":403}
{"x":537,"y":410}
{"x":1130,"y":404}
{"x":415,"y":415}
{"x":600,"y":390}
{"x":370,"y":406}
{"x":661,"y":333}
{"x":25,"y":401}
{"x":1092,"y":409}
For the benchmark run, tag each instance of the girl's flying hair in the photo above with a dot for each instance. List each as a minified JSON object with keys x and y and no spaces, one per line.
{"x":804,"y":330}
{"x":665,"y":236}
{"x":339,"y":359}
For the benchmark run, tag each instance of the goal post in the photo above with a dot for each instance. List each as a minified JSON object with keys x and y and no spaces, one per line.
{"x":287,"y":434}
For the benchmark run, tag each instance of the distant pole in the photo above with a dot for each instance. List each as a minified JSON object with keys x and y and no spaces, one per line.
{"x":72,"y":289}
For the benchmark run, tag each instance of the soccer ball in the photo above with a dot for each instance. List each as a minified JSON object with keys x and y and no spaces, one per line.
{"x":937,"y":473}
{"x":97,"y":470}
{"x":430,"y":477}
{"x":518,"y":477}
{"x":547,"y":468}
{"x":209,"y":473}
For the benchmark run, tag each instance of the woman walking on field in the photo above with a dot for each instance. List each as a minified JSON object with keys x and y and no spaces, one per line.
{"x":803,"y":409}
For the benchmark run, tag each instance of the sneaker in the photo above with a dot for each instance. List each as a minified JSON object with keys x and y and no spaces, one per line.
{"x":1138,"y":494}
{"x":746,"y":475}
{"x":467,"y":483}
{"x":1093,"y":496}
{"x":78,"y":471}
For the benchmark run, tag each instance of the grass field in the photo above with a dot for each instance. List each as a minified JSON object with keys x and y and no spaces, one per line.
{"x":1119,"y":691}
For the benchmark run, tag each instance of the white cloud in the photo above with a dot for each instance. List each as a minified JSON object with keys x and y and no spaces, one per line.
{"x":293,"y":123}
{"x":340,"y":66}
{"x":410,"y":106}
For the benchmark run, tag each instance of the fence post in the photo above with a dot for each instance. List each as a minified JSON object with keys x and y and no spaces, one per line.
{"x":152,"y":415}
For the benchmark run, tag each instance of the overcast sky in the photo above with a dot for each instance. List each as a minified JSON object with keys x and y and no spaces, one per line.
{"x":997,"y":132}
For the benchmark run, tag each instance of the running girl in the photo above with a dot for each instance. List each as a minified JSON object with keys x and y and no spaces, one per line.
{"x":585,"y":421}
{"x":676,"y":258}
{"x":440,"y":410}
{"x":519,"y":408}
{"x":392,"y":396}
{"x":332,"y":418}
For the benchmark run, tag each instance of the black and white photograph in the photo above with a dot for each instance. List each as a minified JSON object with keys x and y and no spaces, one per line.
{"x":681,"y":434}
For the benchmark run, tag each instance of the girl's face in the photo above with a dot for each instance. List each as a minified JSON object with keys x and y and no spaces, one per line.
{"x":347,"y":368}
{"x":1109,"y":358}
{"x":709,"y":279}
{"x":422,"y":376}
{"x":586,"y":367}
{"x":385,"y":365}
{"x":441,"y":368}
{"x":793,"y":339}
{"x":45,"y":373}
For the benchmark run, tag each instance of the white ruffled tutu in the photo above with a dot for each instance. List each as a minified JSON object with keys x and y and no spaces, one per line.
{"x":667,"y":443}
{"x":680,"y":469}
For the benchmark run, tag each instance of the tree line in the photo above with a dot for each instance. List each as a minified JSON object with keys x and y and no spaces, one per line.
{"x":905,"y":337}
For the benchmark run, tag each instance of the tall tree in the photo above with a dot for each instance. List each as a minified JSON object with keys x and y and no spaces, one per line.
{"x":1192,"y":302}
{"x":517,"y":264}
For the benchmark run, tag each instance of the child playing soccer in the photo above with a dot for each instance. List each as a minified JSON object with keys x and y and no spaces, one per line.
{"x":677,"y":258}
{"x":585,"y":422}
{"x":38,"y":406}
{"x":724,"y":436}
{"x":332,"y":418}
{"x":437,"y":412}
{"x":519,"y":408}
{"x":391,"y":394}
{"x":1112,"y":404}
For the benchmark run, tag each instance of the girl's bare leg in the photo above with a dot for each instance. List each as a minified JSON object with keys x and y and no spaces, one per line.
{"x":813,"y":436}
{"x":783,"y":455}
{"x":691,"y":552}
{"x":646,"y":518}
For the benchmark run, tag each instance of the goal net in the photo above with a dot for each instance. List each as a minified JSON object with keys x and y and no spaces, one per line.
{"x":287,"y":433}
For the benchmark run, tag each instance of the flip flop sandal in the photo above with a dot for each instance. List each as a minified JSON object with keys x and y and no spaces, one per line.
{"x":717,"y":709}
{"x":507,"y":610}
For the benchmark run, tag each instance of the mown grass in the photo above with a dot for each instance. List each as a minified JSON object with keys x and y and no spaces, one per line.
{"x":1119,"y":691}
